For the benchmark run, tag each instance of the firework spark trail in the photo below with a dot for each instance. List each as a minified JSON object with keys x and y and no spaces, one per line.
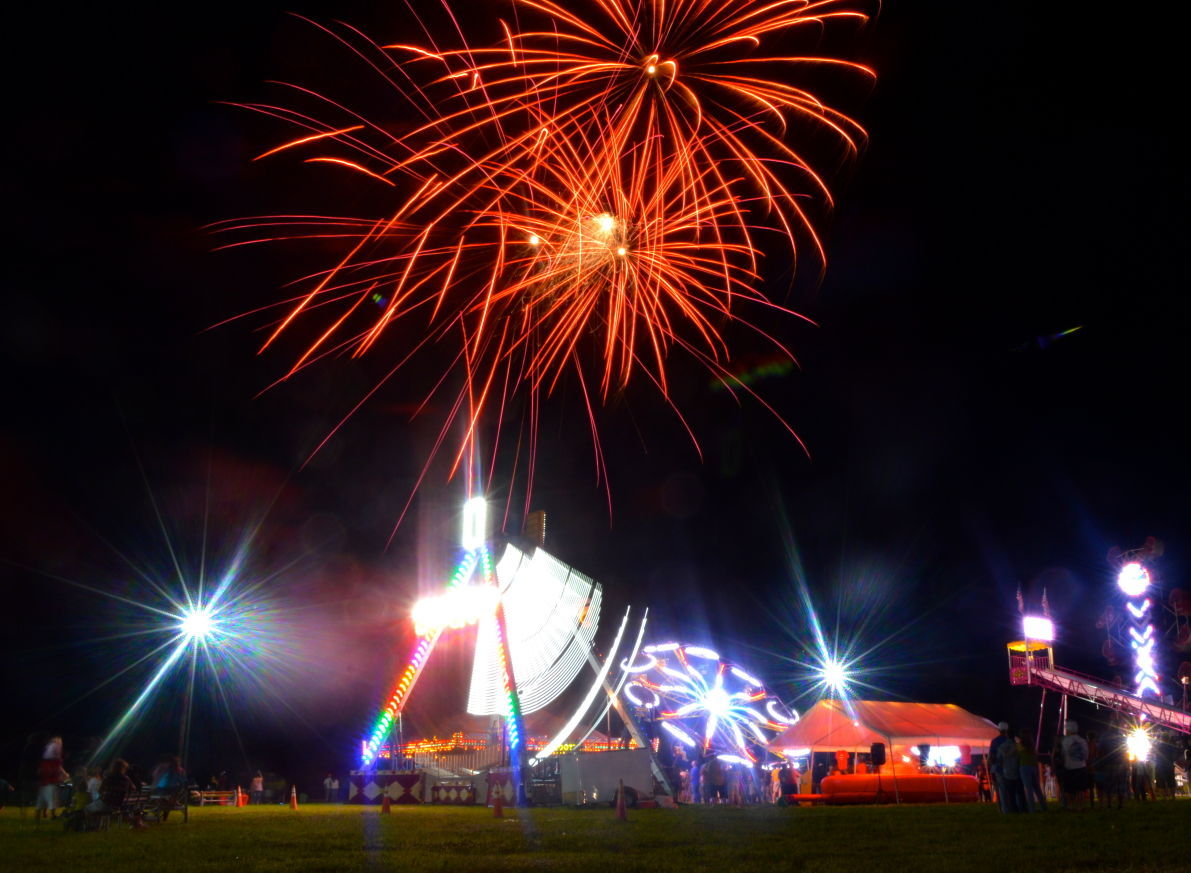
{"x":583,"y":196}
{"x":692,"y":76}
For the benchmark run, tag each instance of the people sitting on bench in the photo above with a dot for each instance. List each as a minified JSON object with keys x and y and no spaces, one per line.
{"x":116,"y":786}
{"x":169,"y":785}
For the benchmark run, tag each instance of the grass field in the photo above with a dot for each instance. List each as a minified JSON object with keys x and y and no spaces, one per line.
{"x":820,"y":840}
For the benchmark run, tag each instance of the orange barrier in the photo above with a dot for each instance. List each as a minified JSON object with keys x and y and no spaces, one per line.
{"x":909,"y":788}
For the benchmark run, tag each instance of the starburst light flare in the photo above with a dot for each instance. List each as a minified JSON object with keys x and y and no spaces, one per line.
{"x":225,"y":638}
{"x":703,"y":701}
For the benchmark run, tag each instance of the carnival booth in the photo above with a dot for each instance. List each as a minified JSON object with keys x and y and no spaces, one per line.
{"x":925,"y":746}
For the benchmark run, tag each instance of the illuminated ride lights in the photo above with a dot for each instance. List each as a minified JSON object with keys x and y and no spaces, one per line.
{"x":536,"y":620}
{"x":599,"y":682}
{"x":702,"y":701}
{"x":1134,"y":581}
{"x":459,"y":743}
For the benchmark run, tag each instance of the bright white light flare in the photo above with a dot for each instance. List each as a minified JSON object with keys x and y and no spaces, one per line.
{"x":197,"y":624}
{"x":834,"y":675}
{"x":457,"y":608}
{"x":475,"y":523}
{"x":1138,"y":744}
{"x":1133,"y":579}
{"x":702,"y":696}
{"x":1038,"y":628}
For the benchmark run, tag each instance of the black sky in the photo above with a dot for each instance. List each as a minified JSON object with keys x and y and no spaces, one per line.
{"x":1024,"y":177}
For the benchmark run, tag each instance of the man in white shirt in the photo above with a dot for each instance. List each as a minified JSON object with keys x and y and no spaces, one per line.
{"x":1075,"y":762}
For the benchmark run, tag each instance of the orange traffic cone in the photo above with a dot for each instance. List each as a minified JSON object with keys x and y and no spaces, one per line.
{"x":498,"y":803}
{"x":386,"y":805}
{"x":293,"y":797}
{"x":243,"y":796}
{"x":237,"y":796}
{"x":621,"y":810}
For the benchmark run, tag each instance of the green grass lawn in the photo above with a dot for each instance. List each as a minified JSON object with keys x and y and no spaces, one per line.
{"x":903,"y":839}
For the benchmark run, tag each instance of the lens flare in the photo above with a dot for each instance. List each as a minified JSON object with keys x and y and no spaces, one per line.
{"x":693,"y":693}
{"x":834,"y":674}
{"x":197,"y":623}
{"x":1138,"y":744}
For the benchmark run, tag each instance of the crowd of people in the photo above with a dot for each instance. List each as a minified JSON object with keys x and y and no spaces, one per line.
{"x":711,"y":779}
{"x":83,"y":795}
{"x":1083,"y":771}
{"x":93,"y":793}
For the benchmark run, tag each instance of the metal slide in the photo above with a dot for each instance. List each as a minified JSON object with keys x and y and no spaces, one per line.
{"x":1103,"y":694}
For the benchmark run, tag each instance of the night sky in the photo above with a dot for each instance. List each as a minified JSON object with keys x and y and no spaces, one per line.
{"x":1023,"y":178}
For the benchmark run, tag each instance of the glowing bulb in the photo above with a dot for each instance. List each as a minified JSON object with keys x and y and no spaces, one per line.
{"x":475,"y":523}
{"x":535,"y":240}
{"x":1037,"y":628}
{"x":651,"y":69}
{"x":622,"y":251}
{"x":834,"y":675}
{"x":605,"y":222}
{"x":1133,"y":579}
{"x":718,"y":701}
{"x":1138,"y":744}
{"x":196,"y":623}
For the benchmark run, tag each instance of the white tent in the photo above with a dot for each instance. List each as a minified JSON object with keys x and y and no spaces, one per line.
{"x":854,"y":725}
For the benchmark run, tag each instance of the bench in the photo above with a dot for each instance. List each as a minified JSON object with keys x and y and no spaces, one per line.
{"x":131,"y":810}
{"x":162,"y":802}
{"x":149,"y":805}
{"x":222,"y":798}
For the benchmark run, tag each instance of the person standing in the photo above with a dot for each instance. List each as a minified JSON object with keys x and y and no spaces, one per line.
{"x":715,"y":789}
{"x":258,"y":788}
{"x":984,"y":782}
{"x":1075,"y":765}
{"x":1164,"y":781}
{"x":1030,"y":782}
{"x":994,"y":763}
{"x":49,"y":775}
{"x":1009,"y":768}
{"x":1114,"y":764}
{"x":327,"y":783}
{"x":335,"y":790}
{"x":818,"y":773}
{"x":1060,"y":771}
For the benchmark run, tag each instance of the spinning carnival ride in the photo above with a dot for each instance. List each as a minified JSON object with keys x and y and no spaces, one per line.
{"x":537,"y":619}
{"x":704,"y":702}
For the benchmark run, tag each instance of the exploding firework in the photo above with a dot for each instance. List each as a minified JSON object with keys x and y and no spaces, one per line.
{"x":583,"y":199}
{"x":708,"y":80}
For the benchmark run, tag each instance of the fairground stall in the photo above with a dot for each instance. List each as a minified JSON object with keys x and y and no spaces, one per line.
{"x":889,"y":751}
